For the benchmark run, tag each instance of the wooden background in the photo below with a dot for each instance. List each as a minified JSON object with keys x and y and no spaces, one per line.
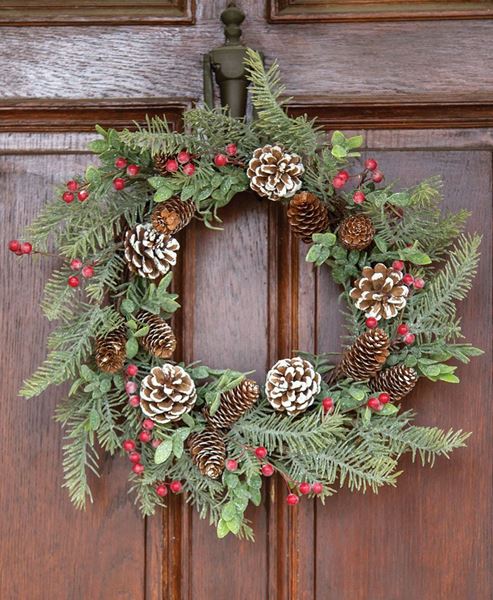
{"x":248,"y":298}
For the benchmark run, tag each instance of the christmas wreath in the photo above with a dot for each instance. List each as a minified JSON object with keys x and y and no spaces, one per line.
{"x":321,"y":422}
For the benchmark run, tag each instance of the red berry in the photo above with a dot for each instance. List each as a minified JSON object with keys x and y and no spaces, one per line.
{"x":220,"y":160}
{"x":419,"y":283}
{"x":145,"y":436}
{"x":148,"y":424}
{"x":338,"y":182}
{"x":292,"y":499}
{"x":138,"y":469}
{"x":73,"y":281}
{"x":88,"y":272}
{"x":132,"y":370}
{"x":231,"y":465}
{"x":128,"y":445}
{"x":155,"y":443}
{"x":131,"y":387}
{"x":384,"y":398}
{"x":408,"y":279}
{"x":260,"y":452}
{"x":133,"y":170}
{"x":183,"y":157}
{"x":171,"y":165}
{"x":231,"y":149}
{"x":374,"y":404}
{"x":397,"y":265}
{"x":409,"y":339}
{"x":328,"y":404}
{"x":305,"y":488}
{"x":14,"y":245}
{"x":83,"y":195}
{"x":176,"y":487}
{"x":189,"y":169}
{"x":75,"y":264}
{"x":267,"y":470}
{"x":371,"y":322}
{"x":402,"y":329}
{"x":134,"y":401}
{"x":26,"y":248}
{"x":344,"y":175}
{"x":68,"y":197}
{"x":134,"y":457}
{"x":161,"y":490}
{"x":72,"y":185}
{"x":371,"y":164}
{"x":358,"y":197}
{"x":377,"y":177}
{"x":120,"y":162}
{"x":317,"y":488}
{"x":119,"y":184}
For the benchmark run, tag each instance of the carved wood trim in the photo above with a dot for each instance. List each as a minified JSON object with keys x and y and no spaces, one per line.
{"x":92,"y":12}
{"x":330,"y":11}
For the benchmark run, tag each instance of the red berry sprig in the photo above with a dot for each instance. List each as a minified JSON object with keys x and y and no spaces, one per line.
{"x":176,"y":487}
{"x":371,"y":322}
{"x":328,"y":405}
{"x":161,"y":490}
{"x":231,"y":465}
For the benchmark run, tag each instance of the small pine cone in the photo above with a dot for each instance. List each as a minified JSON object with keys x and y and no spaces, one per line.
{"x":366,"y":356}
{"x":274,"y":173}
{"x":171,"y":216}
{"x":307,"y":215}
{"x":379,"y":292}
{"x":148,"y":252}
{"x":234,"y":404}
{"x":110,"y":351}
{"x":208,"y":452}
{"x":291,"y":385}
{"x":167,"y":393}
{"x":397,"y":381}
{"x":160,"y":161}
{"x":356,"y":232}
{"x":160,"y":339}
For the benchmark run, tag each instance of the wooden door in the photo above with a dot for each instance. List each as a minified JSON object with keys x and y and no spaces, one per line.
{"x":421,"y":91}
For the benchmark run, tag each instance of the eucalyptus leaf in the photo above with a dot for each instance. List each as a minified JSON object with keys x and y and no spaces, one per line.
{"x":163,"y":451}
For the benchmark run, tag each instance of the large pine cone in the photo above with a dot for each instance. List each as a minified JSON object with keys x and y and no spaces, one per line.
{"x":110,"y":351}
{"x":356,"y":232}
{"x":380,"y":292}
{"x":171,"y":216}
{"x":208,"y":452}
{"x":167,"y":393}
{"x":397,"y":381}
{"x":274,"y":173}
{"x":160,"y":339}
{"x":148,"y":252}
{"x":291,"y":385}
{"x":366,"y":356}
{"x":307,"y":215}
{"x":234,"y":404}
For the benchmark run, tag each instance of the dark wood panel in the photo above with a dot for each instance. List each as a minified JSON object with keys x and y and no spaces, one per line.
{"x":306,"y":11}
{"x":103,"y":12}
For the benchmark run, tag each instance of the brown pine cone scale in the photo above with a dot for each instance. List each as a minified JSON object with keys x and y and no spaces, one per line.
{"x":307,"y":215}
{"x":234,"y":404}
{"x":366,"y":357}
{"x":397,"y":381}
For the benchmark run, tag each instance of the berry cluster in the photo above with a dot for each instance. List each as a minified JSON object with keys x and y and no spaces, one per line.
{"x":370,"y":173}
{"x":20,"y":248}
{"x":221,"y":159}
{"x":72,"y":187}
{"x":377,"y":404}
{"x":121,"y":163}
{"x":131,"y":388}
{"x":87,"y":271}
{"x":183,"y":161}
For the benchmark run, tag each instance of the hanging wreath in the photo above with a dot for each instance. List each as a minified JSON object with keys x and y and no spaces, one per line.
{"x":214,"y":434}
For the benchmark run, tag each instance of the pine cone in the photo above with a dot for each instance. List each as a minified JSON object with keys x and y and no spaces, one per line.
{"x":160,"y":161}
{"x":148,"y":252}
{"x":379,"y":292}
{"x":167,"y":393}
{"x":397,"y":381}
{"x":366,"y":356}
{"x":356,"y":232}
{"x":171,"y":216}
{"x":307,"y":215}
{"x":234,"y":404}
{"x":274,"y":173}
{"x":110,"y":351}
{"x":208,"y":452}
{"x":291,"y":385}
{"x":160,"y":339}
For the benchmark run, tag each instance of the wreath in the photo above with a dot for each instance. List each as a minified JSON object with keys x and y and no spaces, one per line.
{"x":320,"y":422}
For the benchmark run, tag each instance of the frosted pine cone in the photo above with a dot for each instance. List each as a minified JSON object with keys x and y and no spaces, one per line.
{"x":160,"y":339}
{"x":148,"y":252}
{"x":291,"y":385}
{"x":208,"y":452}
{"x":379,"y":292}
{"x":356,"y":232}
{"x":274,"y":173}
{"x":397,"y":381}
{"x":173,"y":215}
{"x":234,"y":404}
{"x":167,"y":393}
{"x":110,"y":351}
{"x":307,"y":215}
{"x":366,"y":356}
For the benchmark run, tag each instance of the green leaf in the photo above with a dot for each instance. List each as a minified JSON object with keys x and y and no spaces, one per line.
{"x":86,"y":373}
{"x":234,"y":525}
{"x":401,"y":199}
{"x":339,"y":152}
{"x":177,"y":446}
{"x":222,"y":529}
{"x":157,"y":182}
{"x":324,"y":239}
{"x":355,"y":141}
{"x":256,"y":497}
{"x":92,"y":174}
{"x":163,"y":193}
{"x":449,"y":378}
{"x":94,"y":419}
{"x":357,"y":393}
{"x":131,"y":347}
{"x":228,"y":513}
{"x":98,"y":146}
{"x":366,"y":415}
{"x":231,"y":480}
{"x":188,"y":419}
{"x":127,"y":307}
{"x":338,"y":138}
{"x":142,"y":331}
{"x":163,"y":451}
{"x":388,"y":409}
{"x":380,"y":243}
